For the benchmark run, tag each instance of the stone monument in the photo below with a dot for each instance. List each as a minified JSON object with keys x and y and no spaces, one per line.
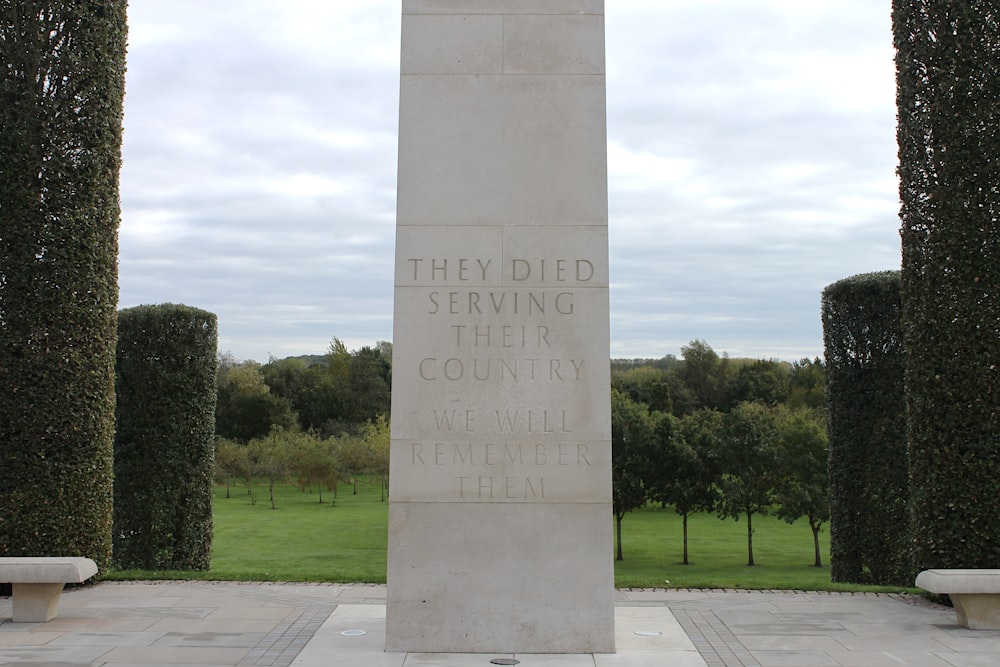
{"x":500,"y":512}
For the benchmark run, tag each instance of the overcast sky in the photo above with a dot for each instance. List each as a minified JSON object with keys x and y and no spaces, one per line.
{"x":751,"y":152}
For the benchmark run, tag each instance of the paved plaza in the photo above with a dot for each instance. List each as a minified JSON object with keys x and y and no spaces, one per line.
{"x":210,"y":624}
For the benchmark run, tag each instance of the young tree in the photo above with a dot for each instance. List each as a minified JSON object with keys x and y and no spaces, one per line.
{"x":270,"y":457}
{"x":631,"y":434}
{"x":376,"y":436}
{"x":694,"y":465}
{"x":804,"y":482}
{"x":314,"y":463}
{"x":748,"y":456}
{"x":231,"y":462}
{"x":354,"y":455}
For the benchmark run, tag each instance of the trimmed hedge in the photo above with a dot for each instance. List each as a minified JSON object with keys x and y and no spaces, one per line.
{"x":869,"y":488}
{"x":61,"y":92}
{"x":948,"y":83}
{"x":165,"y":438}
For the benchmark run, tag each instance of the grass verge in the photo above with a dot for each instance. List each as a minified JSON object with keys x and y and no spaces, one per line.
{"x":344,"y":539}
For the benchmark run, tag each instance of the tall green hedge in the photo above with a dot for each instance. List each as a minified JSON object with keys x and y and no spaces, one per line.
{"x":62,"y":68}
{"x":164,"y":440}
{"x":948,"y":99}
{"x":869,"y":489}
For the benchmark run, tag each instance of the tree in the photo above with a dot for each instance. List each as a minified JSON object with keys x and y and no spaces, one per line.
{"x":696,"y":467}
{"x":314,"y":463}
{"x":631,"y":433}
{"x":231,"y":463}
{"x":645,"y":384}
{"x":270,"y":457}
{"x":354,"y":455}
{"x":807,"y":384}
{"x":61,"y":92}
{"x":338,"y":393}
{"x":748,"y":456}
{"x":948,"y":131}
{"x":804,"y":482}
{"x":762,"y":381}
{"x":376,"y":437}
{"x":246,"y":408}
{"x":705,"y":374}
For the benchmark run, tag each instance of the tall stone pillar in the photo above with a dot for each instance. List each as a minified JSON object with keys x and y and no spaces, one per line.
{"x":500,"y":514}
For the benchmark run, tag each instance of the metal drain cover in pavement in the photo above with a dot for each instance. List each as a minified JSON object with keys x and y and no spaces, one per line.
{"x":505,"y":661}
{"x":648,"y":633}
{"x":354,"y":633}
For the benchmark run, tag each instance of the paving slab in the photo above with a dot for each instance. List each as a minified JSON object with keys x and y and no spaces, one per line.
{"x":125,"y":624}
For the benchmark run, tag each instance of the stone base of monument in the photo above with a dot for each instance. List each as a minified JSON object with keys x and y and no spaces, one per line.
{"x":491,"y":565}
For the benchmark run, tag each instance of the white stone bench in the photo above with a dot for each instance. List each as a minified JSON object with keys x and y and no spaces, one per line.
{"x":37,"y":583}
{"x":975,"y":594}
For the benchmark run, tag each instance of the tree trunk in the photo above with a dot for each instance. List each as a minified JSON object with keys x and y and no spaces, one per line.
{"x":270,"y":488}
{"x":618,"y":521}
{"x":815,"y":528}
{"x":750,"y":539}
{"x":684,"y":518}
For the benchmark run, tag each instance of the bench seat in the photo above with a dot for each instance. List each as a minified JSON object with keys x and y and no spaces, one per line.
{"x":37,"y":583}
{"x":975,"y":594}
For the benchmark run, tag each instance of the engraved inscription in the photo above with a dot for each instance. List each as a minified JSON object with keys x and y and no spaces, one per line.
{"x":500,"y":323}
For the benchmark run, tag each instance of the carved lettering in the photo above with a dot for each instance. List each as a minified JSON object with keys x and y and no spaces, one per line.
{"x":440,"y":269}
{"x":532,"y":421}
{"x":483,"y":369}
{"x":492,"y":454}
{"x":500,"y":303}
{"x":505,"y":336}
{"x":495,"y":488}
{"x":448,"y":420}
{"x":551,"y":270}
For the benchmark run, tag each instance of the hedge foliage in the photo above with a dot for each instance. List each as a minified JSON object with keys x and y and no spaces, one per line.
{"x":62,"y":71}
{"x":948,"y":99}
{"x":165,"y":437}
{"x":869,"y":488}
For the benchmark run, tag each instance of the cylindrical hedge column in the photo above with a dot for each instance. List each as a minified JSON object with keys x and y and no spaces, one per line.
{"x":869,"y":520}
{"x":948,"y":75}
{"x":61,"y":94}
{"x":164,"y":441}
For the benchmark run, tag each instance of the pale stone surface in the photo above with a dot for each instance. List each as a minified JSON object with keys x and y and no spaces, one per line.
{"x":46,"y":569}
{"x":500,"y":522}
{"x":330,"y":648}
{"x":37,"y":583}
{"x":536,"y":44}
{"x":453,"y":44}
{"x":508,"y":6}
{"x":499,"y":150}
{"x":975,"y":594}
{"x":35,"y":603}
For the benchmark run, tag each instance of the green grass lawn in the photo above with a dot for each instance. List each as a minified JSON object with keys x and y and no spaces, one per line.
{"x":344,"y":540}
